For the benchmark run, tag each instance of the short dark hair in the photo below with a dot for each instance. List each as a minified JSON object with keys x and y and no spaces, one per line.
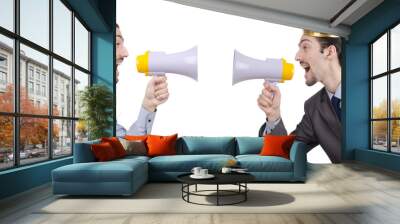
{"x":328,"y":41}
{"x":117,"y":25}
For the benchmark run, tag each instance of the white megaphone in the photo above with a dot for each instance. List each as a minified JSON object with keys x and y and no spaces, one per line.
{"x":159,"y":63}
{"x":273,"y":70}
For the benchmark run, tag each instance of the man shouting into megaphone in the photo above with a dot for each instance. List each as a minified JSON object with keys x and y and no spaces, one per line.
{"x":320,"y":56}
{"x":156,"y":94}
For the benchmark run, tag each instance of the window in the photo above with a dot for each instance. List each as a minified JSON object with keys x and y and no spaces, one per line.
{"x":37,"y":89}
{"x":30,"y":72}
{"x":7,"y":14}
{"x":3,"y":78}
{"x":3,"y":61}
{"x":62,"y":29}
{"x":35,"y":21}
{"x":46,"y":76}
{"x":43,"y":77}
{"x":81,"y":45}
{"x":385,"y":91}
{"x":3,"y":72}
{"x":30,"y":87}
{"x":37,"y":75}
{"x":44,"y":91}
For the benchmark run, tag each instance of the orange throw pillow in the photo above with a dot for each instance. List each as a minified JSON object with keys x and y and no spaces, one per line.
{"x":103,"y":152}
{"x":136,"y":137}
{"x":161,"y":145}
{"x":275,"y":145}
{"x":116,"y":145}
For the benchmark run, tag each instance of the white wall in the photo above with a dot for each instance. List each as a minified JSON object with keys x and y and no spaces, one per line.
{"x":211,"y":106}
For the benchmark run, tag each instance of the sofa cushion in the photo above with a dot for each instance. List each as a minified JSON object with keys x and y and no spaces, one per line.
{"x":161,"y":145}
{"x":134,"y":147}
{"x":185,"y":163}
{"x":116,"y":145}
{"x":192,"y":145}
{"x":277,"y":145}
{"x":103,"y":151}
{"x":249,"y":145}
{"x":257,"y":163}
{"x":112,"y":171}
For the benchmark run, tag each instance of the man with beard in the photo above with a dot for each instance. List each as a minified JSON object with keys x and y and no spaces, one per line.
{"x":156,"y":94}
{"x":320,"y":56}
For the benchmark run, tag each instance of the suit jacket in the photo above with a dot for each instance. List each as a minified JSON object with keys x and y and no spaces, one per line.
{"x":319,"y":126}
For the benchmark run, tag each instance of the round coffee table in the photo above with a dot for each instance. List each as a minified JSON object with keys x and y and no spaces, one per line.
{"x":238,"y":179}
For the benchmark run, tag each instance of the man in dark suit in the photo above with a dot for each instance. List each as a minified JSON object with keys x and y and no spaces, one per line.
{"x":320,"y":56}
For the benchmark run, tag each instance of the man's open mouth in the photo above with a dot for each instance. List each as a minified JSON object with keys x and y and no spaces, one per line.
{"x":306,"y":66}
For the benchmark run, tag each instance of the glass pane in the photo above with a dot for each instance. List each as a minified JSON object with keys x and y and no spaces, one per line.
{"x":379,"y":55}
{"x":395,"y":136}
{"x":81,"y":131}
{"x":395,"y":47}
{"x":379,"y":98}
{"x":81,"y":45}
{"x":33,"y":139}
{"x":62,"y":29}
{"x":34,"y":94}
{"x":62,"y":89}
{"x":62,"y":138}
{"x":7,"y":14}
{"x":379,"y":135}
{"x":6,"y":74}
{"x":81,"y":81}
{"x":6,"y":142}
{"x":395,"y":94}
{"x":35,"y":21}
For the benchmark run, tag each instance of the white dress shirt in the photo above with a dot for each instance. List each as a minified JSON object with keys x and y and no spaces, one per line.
{"x":142,"y":126}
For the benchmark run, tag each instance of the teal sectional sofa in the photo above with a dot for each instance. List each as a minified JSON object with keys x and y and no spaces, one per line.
{"x":125,"y":176}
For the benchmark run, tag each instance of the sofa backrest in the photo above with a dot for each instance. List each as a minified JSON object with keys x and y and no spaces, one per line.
{"x":83,"y":153}
{"x":249,"y":145}
{"x":192,"y":145}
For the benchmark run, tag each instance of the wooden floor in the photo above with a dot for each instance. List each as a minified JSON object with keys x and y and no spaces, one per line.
{"x":378,"y":188}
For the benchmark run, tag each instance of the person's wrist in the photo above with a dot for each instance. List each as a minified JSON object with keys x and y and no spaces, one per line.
{"x":273,"y":117}
{"x":149,"y":106}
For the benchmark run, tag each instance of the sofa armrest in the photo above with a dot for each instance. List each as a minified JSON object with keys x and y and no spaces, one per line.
{"x":83,"y":152}
{"x":298,"y":155}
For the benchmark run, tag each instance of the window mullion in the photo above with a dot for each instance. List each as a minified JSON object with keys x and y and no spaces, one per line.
{"x":73,"y":83}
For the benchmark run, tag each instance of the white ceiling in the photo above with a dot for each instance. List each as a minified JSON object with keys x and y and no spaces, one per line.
{"x":318,"y":15}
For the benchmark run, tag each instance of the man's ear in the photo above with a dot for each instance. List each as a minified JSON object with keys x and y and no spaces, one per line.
{"x":330,"y":51}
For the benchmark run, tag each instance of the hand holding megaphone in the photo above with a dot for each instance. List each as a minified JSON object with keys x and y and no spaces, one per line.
{"x":156,"y":93}
{"x":269,"y":101}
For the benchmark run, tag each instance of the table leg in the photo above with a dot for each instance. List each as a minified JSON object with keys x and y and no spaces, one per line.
{"x":217,"y":194}
{"x":245,"y":191}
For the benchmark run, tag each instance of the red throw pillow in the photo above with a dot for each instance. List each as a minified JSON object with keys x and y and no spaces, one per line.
{"x":103,"y":152}
{"x":161,"y":145}
{"x":136,"y":137}
{"x":116,"y":145}
{"x":277,"y":145}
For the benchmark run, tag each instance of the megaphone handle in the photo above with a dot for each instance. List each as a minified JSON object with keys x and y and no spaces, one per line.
{"x":274,"y":83}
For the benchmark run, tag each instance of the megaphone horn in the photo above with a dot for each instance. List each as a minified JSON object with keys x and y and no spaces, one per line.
{"x":182,"y":63}
{"x":274,"y":70}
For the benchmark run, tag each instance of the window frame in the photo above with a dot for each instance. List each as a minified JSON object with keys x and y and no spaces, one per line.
{"x":388,"y":74}
{"x":16,"y":114}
